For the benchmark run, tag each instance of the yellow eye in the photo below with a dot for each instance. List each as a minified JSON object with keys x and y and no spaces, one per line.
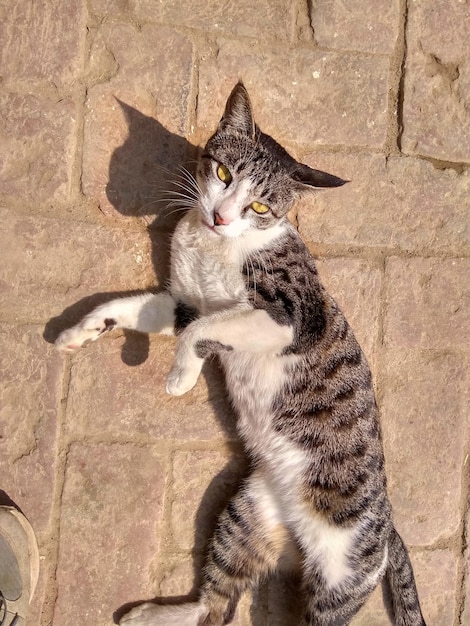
{"x":259,"y":208}
{"x":224,"y":174}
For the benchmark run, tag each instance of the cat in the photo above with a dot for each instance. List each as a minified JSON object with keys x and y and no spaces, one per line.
{"x":244,"y":287}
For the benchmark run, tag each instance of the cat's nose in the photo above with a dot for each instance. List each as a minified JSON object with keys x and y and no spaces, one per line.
{"x":219,"y":220}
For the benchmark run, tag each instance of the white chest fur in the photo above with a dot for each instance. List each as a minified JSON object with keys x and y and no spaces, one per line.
{"x":206,"y":266}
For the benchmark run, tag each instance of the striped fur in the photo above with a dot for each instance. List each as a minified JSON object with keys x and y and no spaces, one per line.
{"x":245,"y":288}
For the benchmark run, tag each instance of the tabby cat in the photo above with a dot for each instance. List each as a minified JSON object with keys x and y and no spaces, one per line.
{"x":244,"y":287}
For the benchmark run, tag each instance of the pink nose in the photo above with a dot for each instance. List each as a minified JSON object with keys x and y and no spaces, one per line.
{"x":219,"y":220}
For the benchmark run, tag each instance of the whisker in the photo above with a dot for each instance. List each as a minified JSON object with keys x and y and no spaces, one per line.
{"x":254,"y":275}
{"x":170,"y":202}
{"x":189,"y":190}
{"x":192,"y":180}
{"x":247,"y":262}
{"x":178,"y":203}
{"x":179,"y":194}
{"x":263,"y":260}
{"x":180,"y":210}
{"x":147,"y":204}
{"x":186,"y":177}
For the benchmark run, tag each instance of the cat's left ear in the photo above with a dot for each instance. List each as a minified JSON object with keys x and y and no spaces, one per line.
{"x":238,"y":114}
{"x":308,"y":178}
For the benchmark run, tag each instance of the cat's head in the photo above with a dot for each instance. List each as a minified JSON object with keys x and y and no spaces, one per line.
{"x":246,"y":179}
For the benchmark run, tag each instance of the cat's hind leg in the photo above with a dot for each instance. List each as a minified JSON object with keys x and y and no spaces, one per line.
{"x":147,"y":313}
{"x":333,"y":598}
{"x":248,"y":542}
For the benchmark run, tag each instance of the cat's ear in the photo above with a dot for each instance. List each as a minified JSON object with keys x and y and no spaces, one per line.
{"x":308,"y":178}
{"x":238,"y":114}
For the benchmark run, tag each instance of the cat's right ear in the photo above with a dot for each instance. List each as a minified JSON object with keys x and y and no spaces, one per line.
{"x":308,"y":178}
{"x":238,"y":113}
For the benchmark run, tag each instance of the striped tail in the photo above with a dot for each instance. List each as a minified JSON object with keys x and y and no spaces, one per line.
{"x":402,"y":584}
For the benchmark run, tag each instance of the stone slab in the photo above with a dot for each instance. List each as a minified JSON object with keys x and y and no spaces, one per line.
{"x":370,"y":26}
{"x":424,"y":413}
{"x":118,"y":387}
{"x":303,"y":97}
{"x":356,"y":284}
{"x":398,"y":203}
{"x":269,"y":19}
{"x":39,"y":45}
{"x":38,"y":136}
{"x":427,"y":303}
{"x":110,"y":530}
{"x":30,"y":389}
{"x":436,"y":573}
{"x":436,"y":108}
{"x":135,"y":116}
{"x":54,"y":263}
{"x":203,"y":481}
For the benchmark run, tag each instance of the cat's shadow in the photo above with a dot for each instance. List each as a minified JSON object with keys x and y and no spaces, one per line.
{"x":141,"y":172}
{"x":140,"y":175}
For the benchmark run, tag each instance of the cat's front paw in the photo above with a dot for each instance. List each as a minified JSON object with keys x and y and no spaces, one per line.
{"x":89,"y":329}
{"x":71,"y":339}
{"x":182,"y":379}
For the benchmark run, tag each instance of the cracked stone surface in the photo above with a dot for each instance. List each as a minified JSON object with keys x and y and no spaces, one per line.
{"x":415,"y":434}
{"x":35,"y":247}
{"x":30,"y":383}
{"x":103,"y":484}
{"x":437,"y":81}
{"x":396,"y":202}
{"x":54,"y":54}
{"x":370,"y":26}
{"x":428,"y":303}
{"x":306,"y":95}
{"x":101,"y":102}
{"x":112,"y":392}
{"x":38,"y":138}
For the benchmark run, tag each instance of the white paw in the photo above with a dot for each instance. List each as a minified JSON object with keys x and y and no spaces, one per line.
{"x":142,"y":615}
{"x":182,"y":379}
{"x":88,"y":329}
{"x":149,"y":614}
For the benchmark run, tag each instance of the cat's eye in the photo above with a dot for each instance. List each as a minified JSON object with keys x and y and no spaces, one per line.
{"x":259,"y":208}
{"x":224,"y":174}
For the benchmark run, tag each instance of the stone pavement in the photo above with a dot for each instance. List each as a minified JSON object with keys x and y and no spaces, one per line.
{"x":99,"y":98}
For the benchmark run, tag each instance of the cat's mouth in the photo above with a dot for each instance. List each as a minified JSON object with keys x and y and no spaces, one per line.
{"x":211,"y":227}
{"x":215,"y":228}
{"x":230,"y":230}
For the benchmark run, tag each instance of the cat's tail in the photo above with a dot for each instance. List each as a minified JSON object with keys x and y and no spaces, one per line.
{"x":150,"y":614}
{"x":402,"y":584}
